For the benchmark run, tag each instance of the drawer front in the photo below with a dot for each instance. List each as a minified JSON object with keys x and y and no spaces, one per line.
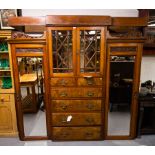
{"x":76,"y":133}
{"x":76,"y":105}
{"x":4,"y":98}
{"x":63,"y":81}
{"x":89,"y":81}
{"x":75,"y":119}
{"x":76,"y":92}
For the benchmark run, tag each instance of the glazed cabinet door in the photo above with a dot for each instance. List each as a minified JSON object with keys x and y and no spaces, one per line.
{"x":90,"y":50}
{"x":62,"y":50}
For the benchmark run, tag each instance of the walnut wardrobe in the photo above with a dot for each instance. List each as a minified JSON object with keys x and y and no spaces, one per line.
{"x":88,"y":62}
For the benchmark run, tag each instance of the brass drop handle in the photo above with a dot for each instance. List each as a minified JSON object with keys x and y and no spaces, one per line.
{"x":64,"y":134}
{"x":63,"y":120}
{"x":2,"y":99}
{"x":89,"y":80}
{"x":90,"y":120}
{"x":63,"y":94}
{"x":90,"y":94}
{"x":89,"y":134}
{"x":64,"y":107}
{"x":90,"y":106}
{"x":63,"y":82}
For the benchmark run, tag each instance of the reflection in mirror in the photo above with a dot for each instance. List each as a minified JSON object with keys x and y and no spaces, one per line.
{"x":120,"y":94}
{"x":32,"y":90}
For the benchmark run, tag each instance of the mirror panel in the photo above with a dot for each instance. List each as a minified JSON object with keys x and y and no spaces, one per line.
{"x":32,"y":92}
{"x":120,"y":94}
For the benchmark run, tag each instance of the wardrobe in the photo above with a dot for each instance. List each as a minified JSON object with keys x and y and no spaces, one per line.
{"x":91,"y":61}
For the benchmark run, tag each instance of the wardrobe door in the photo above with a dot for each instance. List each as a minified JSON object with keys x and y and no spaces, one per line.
{"x":122,"y":89}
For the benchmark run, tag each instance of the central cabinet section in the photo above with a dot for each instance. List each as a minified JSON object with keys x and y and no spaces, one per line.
{"x":77,"y":79}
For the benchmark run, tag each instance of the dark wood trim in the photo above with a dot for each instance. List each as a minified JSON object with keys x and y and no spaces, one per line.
{"x":27,"y":41}
{"x":129,"y":21}
{"x":23,"y":21}
{"x":125,"y":40}
{"x":77,"y":20}
{"x":118,"y":138}
{"x":31,"y":138}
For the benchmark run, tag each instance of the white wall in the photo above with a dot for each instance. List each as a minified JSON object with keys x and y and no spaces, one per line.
{"x":111,"y":12}
{"x":148,"y":68}
{"x":148,"y":63}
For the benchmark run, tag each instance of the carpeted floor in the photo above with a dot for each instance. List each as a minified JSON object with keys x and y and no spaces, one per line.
{"x":148,"y":140}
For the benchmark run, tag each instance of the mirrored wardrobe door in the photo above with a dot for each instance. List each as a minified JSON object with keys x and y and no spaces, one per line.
{"x":30,"y":71}
{"x":121,"y":82}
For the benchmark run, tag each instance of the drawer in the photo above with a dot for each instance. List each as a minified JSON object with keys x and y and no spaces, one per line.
{"x":76,"y":105}
{"x":63,"y":81}
{"x":76,"y":133}
{"x":4,"y":98}
{"x":76,"y":92}
{"x":76,"y":119}
{"x":89,"y":81}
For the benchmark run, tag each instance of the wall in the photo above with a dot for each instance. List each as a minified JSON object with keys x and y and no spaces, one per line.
{"x":111,"y":12}
{"x":148,"y":63}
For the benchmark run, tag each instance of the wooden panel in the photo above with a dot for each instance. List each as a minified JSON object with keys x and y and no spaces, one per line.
{"x":76,"y":119}
{"x":76,"y":92}
{"x":129,"y":21}
{"x":5,"y":117}
{"x":8,"y":117}
{"x":76,"y":105}
{"x":76,"y":133}
{"x":4,"y":98}
{"x":63,"y":81}
{"x":89,"y":81}
{"x":22,"y":21}
{"x":72,"y":20}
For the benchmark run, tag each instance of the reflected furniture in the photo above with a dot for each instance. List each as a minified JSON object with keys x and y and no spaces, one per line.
{"x":146,"y":122}
{"x":8,"y":124}
{"x":30,"y":102}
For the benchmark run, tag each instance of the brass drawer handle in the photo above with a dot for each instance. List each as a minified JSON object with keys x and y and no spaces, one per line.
{"x":90,"y":106}
{"x":89,"y":134}
{"x":64,"y":134}
{"x":63,"y":120}
{"x":64,"y":107}
{"x":90,"y":94}
{"x":63,"y":82}
{"x":90,"y":120}
{"x":89,"y":79}
{"x":2,"y":99}
{"x":63,"y":94}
